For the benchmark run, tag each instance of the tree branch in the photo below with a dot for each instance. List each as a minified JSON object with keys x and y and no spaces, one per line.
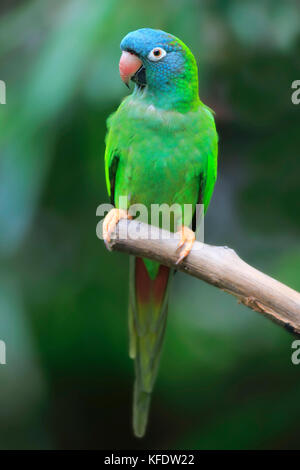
{"x":216,"y":265}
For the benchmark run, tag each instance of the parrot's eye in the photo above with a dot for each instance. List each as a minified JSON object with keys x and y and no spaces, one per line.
{"x":156,"y":54}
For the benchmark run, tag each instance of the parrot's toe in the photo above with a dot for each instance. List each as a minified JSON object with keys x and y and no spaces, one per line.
{"x":187,"y":240}
{"x":110,"y":222}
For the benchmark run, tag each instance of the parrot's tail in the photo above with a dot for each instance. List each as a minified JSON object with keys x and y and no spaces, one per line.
{"x":148,"y":302}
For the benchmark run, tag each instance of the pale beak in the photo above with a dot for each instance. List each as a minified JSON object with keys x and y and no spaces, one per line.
{"x":129,"y":64}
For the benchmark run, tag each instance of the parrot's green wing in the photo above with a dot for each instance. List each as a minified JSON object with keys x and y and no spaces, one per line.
{"x":111,"y":160}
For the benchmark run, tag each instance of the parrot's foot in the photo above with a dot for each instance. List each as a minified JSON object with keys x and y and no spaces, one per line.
{"x":187,"y":239}
{"x":110,"y":222}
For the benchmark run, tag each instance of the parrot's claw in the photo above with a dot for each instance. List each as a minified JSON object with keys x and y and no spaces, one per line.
{"x":110,"y":222}
{"x":187,"y":238}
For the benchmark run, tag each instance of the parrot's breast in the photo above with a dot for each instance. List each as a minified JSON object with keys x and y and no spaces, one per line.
{"x":161,"y":154}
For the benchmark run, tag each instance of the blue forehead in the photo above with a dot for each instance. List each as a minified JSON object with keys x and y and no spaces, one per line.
{"x":142,"y":41}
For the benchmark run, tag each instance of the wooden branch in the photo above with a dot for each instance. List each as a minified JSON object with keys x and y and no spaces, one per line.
{"x":216,"y":265}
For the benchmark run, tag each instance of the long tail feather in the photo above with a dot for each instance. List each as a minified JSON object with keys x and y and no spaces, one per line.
{"x":148,"y":299}
{"x":141,"y":405}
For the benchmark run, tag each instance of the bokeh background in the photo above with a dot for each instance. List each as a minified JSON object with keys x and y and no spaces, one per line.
{"x":226,"y":379}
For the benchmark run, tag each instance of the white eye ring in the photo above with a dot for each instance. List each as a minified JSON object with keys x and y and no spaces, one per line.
{"x":156,"y":54}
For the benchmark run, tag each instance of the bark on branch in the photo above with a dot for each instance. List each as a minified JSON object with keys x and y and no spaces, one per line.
{"x":216,"y":265}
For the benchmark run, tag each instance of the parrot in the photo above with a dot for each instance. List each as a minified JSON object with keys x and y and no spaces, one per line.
{"x":161,"y":148}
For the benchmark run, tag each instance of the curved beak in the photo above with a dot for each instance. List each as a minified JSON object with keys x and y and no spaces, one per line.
{"x":129,"y":64}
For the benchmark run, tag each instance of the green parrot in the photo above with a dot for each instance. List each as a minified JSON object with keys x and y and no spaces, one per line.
{"x":161,"y":148}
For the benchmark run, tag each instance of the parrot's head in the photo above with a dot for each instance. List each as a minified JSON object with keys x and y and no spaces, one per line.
{"x":160,"y":61}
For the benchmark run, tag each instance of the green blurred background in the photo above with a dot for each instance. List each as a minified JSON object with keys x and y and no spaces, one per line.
{"x":226,"y":379}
